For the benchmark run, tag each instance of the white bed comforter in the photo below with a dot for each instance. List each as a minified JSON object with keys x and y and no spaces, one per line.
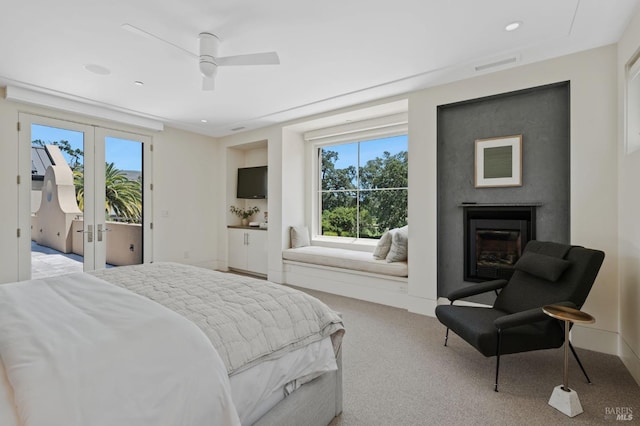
{"x":80,"y":351}
{"x":247,"y":320}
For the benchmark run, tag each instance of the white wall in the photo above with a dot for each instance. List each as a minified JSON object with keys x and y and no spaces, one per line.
{"x":183,"y":176}
{"x":186,"y":190}
{"x":294,"y":183}
{"x":629,"y":217}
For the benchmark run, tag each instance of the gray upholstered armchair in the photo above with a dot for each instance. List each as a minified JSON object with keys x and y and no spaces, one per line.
{"x":547,"y":273}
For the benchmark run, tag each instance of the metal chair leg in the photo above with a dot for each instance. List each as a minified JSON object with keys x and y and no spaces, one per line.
{"x":575,"y":355}
{"x":446,"y":336}
{"x":497,"y":360}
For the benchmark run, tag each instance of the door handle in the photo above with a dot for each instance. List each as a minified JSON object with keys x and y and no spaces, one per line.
{"x":89,"y":233}
{"x":100,"y":231}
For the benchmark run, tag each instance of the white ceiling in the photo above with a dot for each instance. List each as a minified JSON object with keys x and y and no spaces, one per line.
{"x":332,"y":53}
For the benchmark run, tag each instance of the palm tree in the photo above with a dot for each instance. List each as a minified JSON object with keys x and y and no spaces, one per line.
{"x":123,"y":197}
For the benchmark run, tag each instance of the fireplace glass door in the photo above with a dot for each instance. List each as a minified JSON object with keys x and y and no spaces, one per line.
{"x":497,"y":249}
{"x":494,"y":241}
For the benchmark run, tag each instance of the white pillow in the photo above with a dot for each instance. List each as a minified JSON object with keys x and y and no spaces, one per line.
{"x":399,"y":245}
{"x":299,"y":236}
{"x":383,"y":246}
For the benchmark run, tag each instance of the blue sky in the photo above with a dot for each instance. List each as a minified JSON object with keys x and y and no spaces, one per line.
{"x":348,"y":153}
{"x":125,"y":154}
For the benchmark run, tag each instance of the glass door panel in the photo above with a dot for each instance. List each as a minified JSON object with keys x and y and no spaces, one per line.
{"x":122,"y":236}
{"x":123,"y":202}
{"x":52,"y":156}
{"x":85,"y":202}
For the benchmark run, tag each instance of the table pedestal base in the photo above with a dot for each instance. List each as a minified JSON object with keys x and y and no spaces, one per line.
{"x":565,"y":402}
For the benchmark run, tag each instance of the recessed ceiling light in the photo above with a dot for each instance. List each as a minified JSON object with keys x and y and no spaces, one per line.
{"x":203,"y":121}
{"x":97,"y":69}
{"x":513,"y":26}
{"x":138,"y":83}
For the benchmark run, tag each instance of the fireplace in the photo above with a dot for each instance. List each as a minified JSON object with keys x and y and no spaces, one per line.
{"x":494,"y":237}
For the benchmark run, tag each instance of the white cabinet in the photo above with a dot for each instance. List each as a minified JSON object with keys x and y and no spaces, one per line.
{"x":248,"y":250}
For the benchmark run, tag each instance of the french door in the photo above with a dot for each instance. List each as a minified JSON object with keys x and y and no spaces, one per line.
{"x":93,"y":205}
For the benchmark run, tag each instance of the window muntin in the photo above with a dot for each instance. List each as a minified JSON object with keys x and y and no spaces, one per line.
{"x":363,"y":187}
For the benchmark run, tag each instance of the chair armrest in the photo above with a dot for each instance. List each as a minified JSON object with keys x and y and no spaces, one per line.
{"x":526,"y":317}
{"x":474,"y":289}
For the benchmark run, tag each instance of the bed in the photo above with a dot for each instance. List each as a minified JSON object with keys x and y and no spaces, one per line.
{"x":166,"y":343}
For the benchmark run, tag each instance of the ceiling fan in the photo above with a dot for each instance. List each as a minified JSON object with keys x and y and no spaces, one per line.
{"x":208,"y":55}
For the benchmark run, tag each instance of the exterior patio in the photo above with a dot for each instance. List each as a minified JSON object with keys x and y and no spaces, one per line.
{"x":47,"y":262}
{"x":57,"y":224}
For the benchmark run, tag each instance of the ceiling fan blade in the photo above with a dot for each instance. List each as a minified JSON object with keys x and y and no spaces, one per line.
{"x":208,"y":83}
{"x":267,"y":58}
{"x":138,"y":31}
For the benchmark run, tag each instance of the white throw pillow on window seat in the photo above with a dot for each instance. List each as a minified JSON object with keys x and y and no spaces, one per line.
{"x":384,"y":245}
{"x":399,"y":245}
{"x":299,"y":236}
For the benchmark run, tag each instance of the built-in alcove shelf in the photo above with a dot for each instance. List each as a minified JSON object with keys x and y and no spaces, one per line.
{"x":257,"y":228}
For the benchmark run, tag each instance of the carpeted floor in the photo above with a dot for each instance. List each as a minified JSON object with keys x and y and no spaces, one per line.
{"x":396,"y":371}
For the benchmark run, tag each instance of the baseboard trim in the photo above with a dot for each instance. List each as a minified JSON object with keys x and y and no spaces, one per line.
{"x":630,"y":359}
{"x":419,"y":305}
{"x":594,"y":339}
{"x":275,"y":276}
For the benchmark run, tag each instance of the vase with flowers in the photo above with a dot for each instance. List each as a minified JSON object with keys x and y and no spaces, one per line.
{"x":244,"y":214}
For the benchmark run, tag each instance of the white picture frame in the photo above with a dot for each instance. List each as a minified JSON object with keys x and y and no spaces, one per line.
{"x":498,"y":162}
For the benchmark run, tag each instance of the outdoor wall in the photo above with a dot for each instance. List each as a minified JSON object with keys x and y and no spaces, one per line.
{"x":51,"y":224}
{"x":124,"y":242}
{"x":629,"y":214}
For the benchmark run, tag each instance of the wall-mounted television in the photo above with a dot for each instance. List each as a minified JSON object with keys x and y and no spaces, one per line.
{"x":252,"y":182}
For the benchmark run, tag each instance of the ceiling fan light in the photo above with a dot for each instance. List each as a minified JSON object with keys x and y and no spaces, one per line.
{"x":208,"y":68}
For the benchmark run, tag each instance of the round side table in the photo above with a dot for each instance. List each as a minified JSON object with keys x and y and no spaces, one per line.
{"x":563,"y":398}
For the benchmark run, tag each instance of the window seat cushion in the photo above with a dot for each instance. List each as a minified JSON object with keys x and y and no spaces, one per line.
{"x":346,"y":259}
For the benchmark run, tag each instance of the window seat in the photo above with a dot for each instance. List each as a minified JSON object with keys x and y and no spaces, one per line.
{"x":349,"y":273}
{"x":346,"y":259}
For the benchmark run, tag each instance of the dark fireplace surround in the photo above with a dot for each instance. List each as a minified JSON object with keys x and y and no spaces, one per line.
{"x":494,"y":237}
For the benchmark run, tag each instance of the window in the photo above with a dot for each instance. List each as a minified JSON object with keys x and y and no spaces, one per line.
{"x":363,"y":187}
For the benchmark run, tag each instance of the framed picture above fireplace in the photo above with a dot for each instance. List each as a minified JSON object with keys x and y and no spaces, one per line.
{"x":498,"y":162}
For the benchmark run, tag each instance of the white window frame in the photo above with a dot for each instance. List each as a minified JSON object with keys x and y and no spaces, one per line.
{"x":362,"y":131}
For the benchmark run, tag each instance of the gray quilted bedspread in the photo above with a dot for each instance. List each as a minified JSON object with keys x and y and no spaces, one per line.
{"x":247,"y":320}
